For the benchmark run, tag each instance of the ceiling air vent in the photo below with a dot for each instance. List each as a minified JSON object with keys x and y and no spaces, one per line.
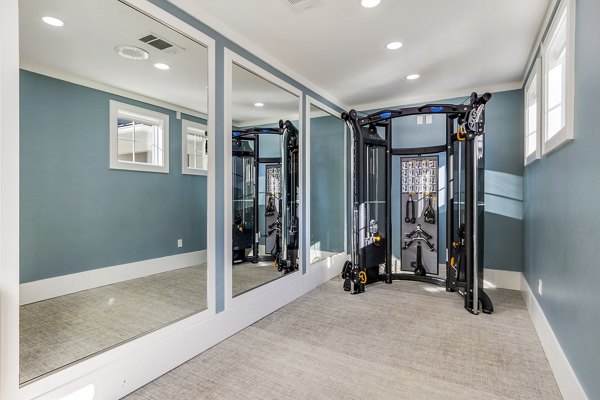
{"x":157,"y":42}
{"x":299,"y":6}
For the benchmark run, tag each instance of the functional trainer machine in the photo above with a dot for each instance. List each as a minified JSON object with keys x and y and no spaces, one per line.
{"x":372,"y":239}
{"x":280,"y":231}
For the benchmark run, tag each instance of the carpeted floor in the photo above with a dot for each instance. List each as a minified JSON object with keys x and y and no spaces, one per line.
{"x":407,"y":340}
{"x":247,"y":276}
{"x":65,"y":329}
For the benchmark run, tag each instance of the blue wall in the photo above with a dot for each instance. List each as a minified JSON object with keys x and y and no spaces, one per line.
{"x":503,"y":232}
{"x":327,"y":181}
{"x":562,"y":223}
{"x":76,"y":213}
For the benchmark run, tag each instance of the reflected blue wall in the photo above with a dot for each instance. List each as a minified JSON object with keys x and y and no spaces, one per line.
{"x":327,"y":181}
{"x":76,"y":213}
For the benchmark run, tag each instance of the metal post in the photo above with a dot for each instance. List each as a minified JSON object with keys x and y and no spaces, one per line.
{"x":256,"y":230}
{"x":475,"y":229}
{"x":284,"y":194}
{"x":449,"y":195}
{"x":388,"y":203}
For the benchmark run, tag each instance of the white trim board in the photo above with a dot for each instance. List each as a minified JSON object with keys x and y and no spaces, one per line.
{"x":567,"y":381}
{"x":115,"y":373}
{"x":498,"y":278}
{"x":44,"y":289}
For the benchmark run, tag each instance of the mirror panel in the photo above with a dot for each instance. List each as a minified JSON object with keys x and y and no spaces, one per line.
{"x":113,"y":234}
{"x":328,"y":194}
{"x":265,"y":192}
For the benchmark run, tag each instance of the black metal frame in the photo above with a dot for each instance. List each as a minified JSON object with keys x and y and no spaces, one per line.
{"x":471,"y":121}
{"x":286,"y":257}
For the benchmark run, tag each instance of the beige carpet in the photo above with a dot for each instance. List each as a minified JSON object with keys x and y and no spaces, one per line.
{"x":65,"y":329}
{"x":407,"y":340}
{"x":247,"y":276}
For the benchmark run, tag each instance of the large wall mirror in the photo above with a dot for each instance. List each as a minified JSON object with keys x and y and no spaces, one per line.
{"x":114,"y":146}
{"x":265,"y":169}
{"x":328,"y":193}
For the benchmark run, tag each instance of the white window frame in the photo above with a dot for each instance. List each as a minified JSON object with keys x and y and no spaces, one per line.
{"x":534,"y":77}
{"x":566,"y":134}
{"x":118,"y":108}
{"x":185,"y":125}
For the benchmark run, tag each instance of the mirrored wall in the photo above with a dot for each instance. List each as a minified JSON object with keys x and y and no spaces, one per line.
{"x":114,"y":149}
{"x":328,"y":185}
{"x":265,"y":180}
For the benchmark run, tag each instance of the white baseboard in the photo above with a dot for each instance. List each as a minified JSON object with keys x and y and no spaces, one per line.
{"x":568,"y":383}
{"x":117,"y":372}
{"x":497,"y":278}
{"x":43,"y":289}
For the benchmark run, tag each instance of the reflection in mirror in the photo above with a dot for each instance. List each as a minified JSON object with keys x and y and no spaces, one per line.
{"x":327,"y":184}
{"x":113,"y":241}
{"x":265,"y":193}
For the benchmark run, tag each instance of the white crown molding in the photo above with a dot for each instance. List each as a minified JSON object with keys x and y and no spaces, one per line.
{"x":402,"y":101}
{"x":191,"y":7}
{"x":64,"y":76}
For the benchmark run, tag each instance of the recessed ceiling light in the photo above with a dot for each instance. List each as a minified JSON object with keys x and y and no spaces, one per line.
{"x":132,"y":53}
{"x":394,"y":45}
{"x":161,"y":66}
{"x":369,"y":3}
{"x":259,"y":105}
{"x":413,"y":77}
{"x":53,"y":21}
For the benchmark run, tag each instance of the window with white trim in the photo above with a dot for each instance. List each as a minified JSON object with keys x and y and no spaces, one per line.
{"x":194,"y":148}
{"x":139,"y":139}
{"x":532,"y":114}
{"x":557,"y":57}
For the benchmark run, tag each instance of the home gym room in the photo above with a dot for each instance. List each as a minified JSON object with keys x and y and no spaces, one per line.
{"x":299,"y":199}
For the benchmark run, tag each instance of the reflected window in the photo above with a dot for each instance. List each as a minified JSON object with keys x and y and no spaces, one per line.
{"x":139,"y":138}
{"x":195,"y":146}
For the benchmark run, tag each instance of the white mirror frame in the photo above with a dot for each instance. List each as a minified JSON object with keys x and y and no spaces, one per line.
{"x":329,"y":261}
{"x":261,"y":291}
{"x":100,"y":375}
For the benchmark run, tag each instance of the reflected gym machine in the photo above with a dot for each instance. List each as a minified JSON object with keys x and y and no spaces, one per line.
{"x":281,"y":197}
{"x":372,"y":182}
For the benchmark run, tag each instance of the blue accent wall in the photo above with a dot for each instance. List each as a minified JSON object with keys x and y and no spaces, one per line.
{"x":327,"y":181}
{"x":503,"y":225}
{"x":76,"y":213}
{"x":562,"y":222}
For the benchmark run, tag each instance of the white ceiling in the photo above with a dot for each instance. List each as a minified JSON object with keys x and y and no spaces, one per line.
{"x":84,"y":48}
{"x":455,"y":46}
{"x":248,"y":89}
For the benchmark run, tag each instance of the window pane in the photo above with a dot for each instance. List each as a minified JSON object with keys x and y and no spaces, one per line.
{"x":555,"y":122}
{"x":531,"y":143}
{"x":191,"y":144}
{"x":556,"y":80}
{"x":125,"y":150}
{"x":532,"y":118}
{"x":555,"y":86}
{"x":144,"y":144}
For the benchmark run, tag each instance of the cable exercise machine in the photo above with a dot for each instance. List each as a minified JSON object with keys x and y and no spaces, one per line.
{"x":372,"y":157}
{"x":280,"y":231}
